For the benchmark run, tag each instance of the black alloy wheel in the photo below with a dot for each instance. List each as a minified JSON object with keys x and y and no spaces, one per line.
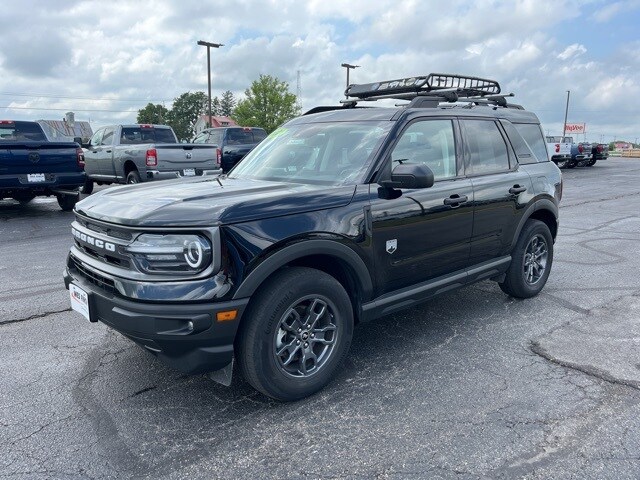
{"x":531,"y":261}
{"x":295,"y":333}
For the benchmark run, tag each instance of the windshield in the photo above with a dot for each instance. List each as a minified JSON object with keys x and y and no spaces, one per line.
{"x":320,"y":153}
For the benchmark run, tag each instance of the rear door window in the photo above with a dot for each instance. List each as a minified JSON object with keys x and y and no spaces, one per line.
{"x":485,"y":147}
{"x":520,"y":146}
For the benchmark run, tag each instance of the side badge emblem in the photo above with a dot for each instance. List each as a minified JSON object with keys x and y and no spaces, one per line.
{"x":392,"y":245}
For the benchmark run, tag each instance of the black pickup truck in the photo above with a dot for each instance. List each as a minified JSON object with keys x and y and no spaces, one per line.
{"x":31,"y":165}
{"x":342,"y":215}
{"x":233,"y":143}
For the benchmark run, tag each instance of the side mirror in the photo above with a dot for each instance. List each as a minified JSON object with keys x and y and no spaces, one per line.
{"x":410,"y":175}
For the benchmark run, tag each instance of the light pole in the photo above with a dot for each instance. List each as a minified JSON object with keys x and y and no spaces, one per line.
{"x":349,"y":67}
{"x":209,"y":45}
{"x":566,"y":112}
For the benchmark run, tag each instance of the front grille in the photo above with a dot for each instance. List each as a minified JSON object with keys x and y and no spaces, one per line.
{"x":104,"y":229}
{"x":91,"y":276}
{"x":100,"y":255}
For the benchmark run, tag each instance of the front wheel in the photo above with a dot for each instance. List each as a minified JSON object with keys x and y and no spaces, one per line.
{"x":66,"y":202}
{"x":531,"y":261}
{"x":133,"y":177}
{"x":295,"y":334}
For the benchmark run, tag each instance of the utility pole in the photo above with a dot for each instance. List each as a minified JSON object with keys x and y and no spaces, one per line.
{"x":209,"y":45}
{"x":349,"y":67}
{"x":566,"y":113}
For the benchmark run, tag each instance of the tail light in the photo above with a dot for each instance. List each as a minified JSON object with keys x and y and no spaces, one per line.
{"x":600,"y":148}
{"x":218,"y":156}
{"x":80,"y":157}
{"x":580,"y":148}
{"x":152,"y":157}
{"x":557,"y":148}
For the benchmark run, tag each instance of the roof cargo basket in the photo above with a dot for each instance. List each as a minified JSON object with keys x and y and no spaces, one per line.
{"x":447,"y":86}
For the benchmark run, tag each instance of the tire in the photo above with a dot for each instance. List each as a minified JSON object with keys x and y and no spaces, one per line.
{"x":571,"y":164}
{"x":275,"y":323}
{"x":87,"y":188}
{"x":591,"y":163}
{"x":523,"y":279}
{"x":563,"y":163}
{"x":66,"y":202}
{"x":24,"y":198}
{"x":133,"y":177}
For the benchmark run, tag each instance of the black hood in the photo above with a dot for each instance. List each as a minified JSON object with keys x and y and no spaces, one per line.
{"x":206,"y":202}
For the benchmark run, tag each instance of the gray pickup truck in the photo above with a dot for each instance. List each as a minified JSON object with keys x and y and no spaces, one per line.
{"x":139,"y":153}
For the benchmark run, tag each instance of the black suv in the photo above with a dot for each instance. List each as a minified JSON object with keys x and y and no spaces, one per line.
{"x":341,"y":215}
{"x":233,"y":143}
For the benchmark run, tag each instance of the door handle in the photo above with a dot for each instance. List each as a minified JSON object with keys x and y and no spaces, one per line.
{"x":455,"y":200}
{"x":517,"y":189}
{"x":107,"y":151}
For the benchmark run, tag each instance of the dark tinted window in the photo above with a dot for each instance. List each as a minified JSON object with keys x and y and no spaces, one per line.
{"x":201,"y":138}
{"x":523,"y":152}
{"x":485,"y":147}
{"x":429,"y":142}
{"x":21,"y":132}
{"x":532,"y":134}
{"x":136,"y":135}
{"x":259,"y":135}
{"x":237,"y":136}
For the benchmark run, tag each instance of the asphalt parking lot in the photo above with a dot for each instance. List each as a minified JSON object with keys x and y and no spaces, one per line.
{"x":471,"y":385}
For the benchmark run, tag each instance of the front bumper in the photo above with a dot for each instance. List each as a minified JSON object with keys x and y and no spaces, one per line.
{"x":173,"y":174}
{"x":185,"y":336}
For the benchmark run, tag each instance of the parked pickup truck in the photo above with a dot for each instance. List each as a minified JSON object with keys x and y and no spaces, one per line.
{"x":31,"y":165}
{"x":599,"y":151}
{"x":138,"y":153}
{"x":581,"y":154}
{"x":233,"y":143}
{"x":559,"y":149}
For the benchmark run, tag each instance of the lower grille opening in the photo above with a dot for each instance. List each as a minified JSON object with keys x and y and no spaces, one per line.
{"x":95,"y":278}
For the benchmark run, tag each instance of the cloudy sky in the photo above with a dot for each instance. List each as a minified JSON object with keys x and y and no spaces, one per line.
{"x":106,"y":59}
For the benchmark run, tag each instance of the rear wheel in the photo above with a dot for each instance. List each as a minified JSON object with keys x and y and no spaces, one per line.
{"x":87,"y":188}
{"x":531,"y":261}
{"x":591,"y":163}
{"x":563,"y":163}
{"x":66,"y":202}
{"x":296,"y":333}
{"x":133,"y":177}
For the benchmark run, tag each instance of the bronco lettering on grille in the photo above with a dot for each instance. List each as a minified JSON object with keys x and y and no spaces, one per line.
{"x":96,"y":242}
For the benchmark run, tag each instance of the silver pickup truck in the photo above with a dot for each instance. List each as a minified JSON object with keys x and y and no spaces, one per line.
{"x":139,"y":153}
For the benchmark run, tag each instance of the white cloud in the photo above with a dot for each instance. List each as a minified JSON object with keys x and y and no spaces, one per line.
{"x":572,"y":50}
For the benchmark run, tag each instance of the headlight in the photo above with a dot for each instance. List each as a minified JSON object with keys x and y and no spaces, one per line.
{"x":171,"y":253}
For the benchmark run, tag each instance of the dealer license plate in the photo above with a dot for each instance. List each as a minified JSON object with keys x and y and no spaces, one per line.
{"x":79,"y":300}
{"x":189,"y":172}
{"x":36,"y":177}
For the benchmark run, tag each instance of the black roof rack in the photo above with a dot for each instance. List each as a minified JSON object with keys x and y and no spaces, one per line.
{"x":439,"y":86}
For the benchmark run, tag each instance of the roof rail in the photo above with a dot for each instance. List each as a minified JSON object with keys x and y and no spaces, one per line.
{"x":445,"y":87}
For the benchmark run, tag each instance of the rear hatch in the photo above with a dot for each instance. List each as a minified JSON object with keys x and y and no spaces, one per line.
{"x":24,"y":149}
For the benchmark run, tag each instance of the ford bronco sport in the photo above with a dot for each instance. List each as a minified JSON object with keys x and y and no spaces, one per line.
{"x":341,"y":215}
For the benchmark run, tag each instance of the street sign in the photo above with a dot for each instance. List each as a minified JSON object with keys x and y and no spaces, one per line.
{"x":575,"y":128}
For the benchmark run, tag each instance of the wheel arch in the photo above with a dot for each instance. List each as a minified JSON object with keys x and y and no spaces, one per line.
{"x":331,"y":257}
{"x":129,"y":166}
{"x":544,"y":210}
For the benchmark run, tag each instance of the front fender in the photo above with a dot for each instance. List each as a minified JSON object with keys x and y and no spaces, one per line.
{"x":304,"y":249}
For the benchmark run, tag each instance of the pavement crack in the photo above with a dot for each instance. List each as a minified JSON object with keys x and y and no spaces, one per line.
{"x":586,"y":369}
{"x":32,"y":317}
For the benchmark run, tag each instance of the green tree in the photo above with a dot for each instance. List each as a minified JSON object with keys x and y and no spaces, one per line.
{"x":152,"y":114}
{"x":268,"y":104}
{"x":215,"y":107}
{"x":187,"y":108}
{"x":227,"y":104}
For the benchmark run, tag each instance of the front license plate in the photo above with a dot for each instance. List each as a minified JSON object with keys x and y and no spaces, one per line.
{"x":79,"y":300}
{"x":36,"y":177}
{"x":189,"y":172}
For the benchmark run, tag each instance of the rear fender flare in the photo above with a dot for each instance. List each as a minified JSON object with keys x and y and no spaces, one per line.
{"x":542,"y":204}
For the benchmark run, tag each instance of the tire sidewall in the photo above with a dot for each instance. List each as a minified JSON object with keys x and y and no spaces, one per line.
{"x":133,"y":175}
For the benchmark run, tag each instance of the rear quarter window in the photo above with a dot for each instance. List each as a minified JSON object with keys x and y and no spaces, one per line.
{"x":532,"y":134}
